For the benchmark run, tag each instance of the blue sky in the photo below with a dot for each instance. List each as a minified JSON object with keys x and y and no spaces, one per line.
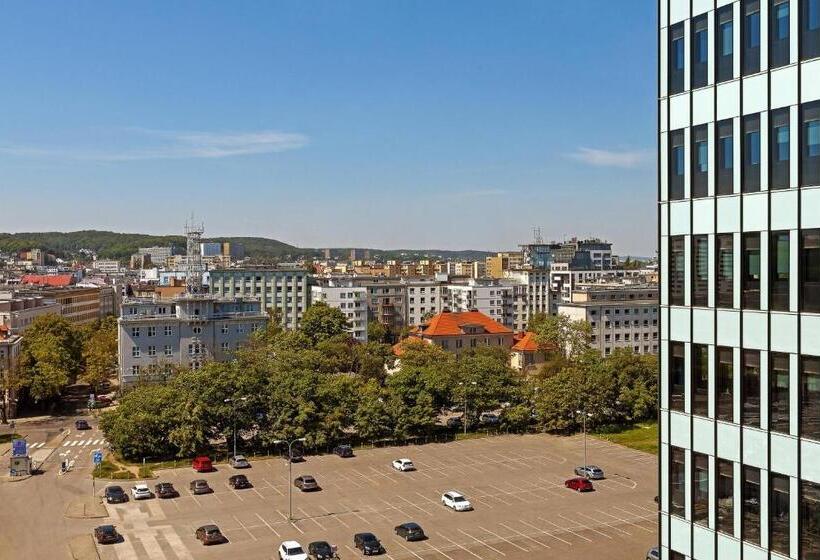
{"x":381,"y":124}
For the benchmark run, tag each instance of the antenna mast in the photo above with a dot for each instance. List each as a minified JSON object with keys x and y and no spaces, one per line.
{"x":193,"y":256}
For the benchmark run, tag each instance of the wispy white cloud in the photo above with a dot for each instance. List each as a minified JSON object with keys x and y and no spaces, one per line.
{"x":147,"y":144}
{"x":626,"y":159}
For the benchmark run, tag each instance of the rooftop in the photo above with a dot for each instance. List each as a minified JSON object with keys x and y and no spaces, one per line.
{"x":454,"y":323}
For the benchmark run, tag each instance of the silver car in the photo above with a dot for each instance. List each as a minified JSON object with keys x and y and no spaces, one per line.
{"x":590,"y":471}
{"x":239,"y":462}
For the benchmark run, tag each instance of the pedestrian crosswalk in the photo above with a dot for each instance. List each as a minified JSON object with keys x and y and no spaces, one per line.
{"x":37,"y":445}
{"x":83,"y":442}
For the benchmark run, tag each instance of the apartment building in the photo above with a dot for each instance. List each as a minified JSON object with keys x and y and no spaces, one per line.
{"x":564,"y":279}
{"x":18,"y":312}
{"x":10,"y":346}
{"x":491,"y":298}
{"x":350,"y":300}
{"x":739,"y":227}
{"x":107,"y":266}
{"x":497,"y":264}
{"x":531,"y":295}
{"x":425,"y":298}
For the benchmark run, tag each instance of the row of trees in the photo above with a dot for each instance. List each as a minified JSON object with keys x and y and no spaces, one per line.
{"x":319,"y":384}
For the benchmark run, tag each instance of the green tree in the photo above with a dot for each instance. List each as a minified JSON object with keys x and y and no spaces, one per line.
{"x":377,"y":332}
{"x":570,"y":338}
{"x":372,"y":418}
{"x":100,"y":353}
{"x":50,"y":357}
{"x":411,"y":405}
{"x":321,"y":322}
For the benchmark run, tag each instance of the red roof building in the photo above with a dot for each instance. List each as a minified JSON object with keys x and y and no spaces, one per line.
{"x":526,"y":354}
{"x":459,"y":331}
{"x":51,"y":280}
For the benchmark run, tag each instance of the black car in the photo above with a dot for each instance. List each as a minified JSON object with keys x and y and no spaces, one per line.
{"x":367,"y":543}
{"x":81,"y":425}
{"x":343,"y":451}
{"x":320,"y":550}
{"x":410,"y":532}
{"x":295,"y":456}
{"x":106,"y":534}
{"x":239,"y":481}
{"x":453,"y":422}
{"x":115,"y":495}
{"x":166,"y":490}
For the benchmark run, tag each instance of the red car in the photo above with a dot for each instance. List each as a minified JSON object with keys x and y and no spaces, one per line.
{"x":202,"y":464}
{"x":579,"y":484}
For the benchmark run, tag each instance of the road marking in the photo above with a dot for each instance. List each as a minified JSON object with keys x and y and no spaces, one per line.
{"x":335,"y":516}
{"x":262,"y":519}
{"x":432,"y":501}
{"x":125,"y":550}
{"x":150,"y":544}
{"x":155,"y":510}
{"x":608,"y":525}
{"x":257,"y":492}
{"x":245,"y":528}
{"x":411,"y":551}
{"x":503,"y":539}
{"x":626,"y":520}
{"x":520,"y":534}
{"x":241,"y":499}
{"x":424,"y":511}
{"x":587,"y":527}
{"x":544,"y":532}
{"x":292,"y":523}
{"x":266,"y":481}
{"x":451,"y":541}
{"x":176,"y":543}
{"x":309,"y":517}
{"x":479,"y":541}
{"x":566,"y":529}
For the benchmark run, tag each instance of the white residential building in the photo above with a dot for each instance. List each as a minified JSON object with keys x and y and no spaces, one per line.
{"x":488,"y":297}
{"x":350,"y":300}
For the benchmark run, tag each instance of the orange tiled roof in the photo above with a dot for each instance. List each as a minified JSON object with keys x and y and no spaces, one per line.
{"x":451,"y":324}
{"x":53,"y":280}
{"x":528,"y":342}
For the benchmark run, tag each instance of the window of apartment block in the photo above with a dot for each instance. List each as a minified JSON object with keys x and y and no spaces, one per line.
{"x":700,"y":488}
{"x":751,"y":505}
{"x":810,"y":516}
{"x":676,"y":58}
{"x":725,"y":157}
{"x":751,"y":153}
{"x":751,"y":271}
{"x":677,"y":481}
{"x":700,"y":270}
{"x":677,"y":167}
{"x":751,"y":36}
{"x":810,"y":29}
{"x":810,"y":143}
{"x":779,"y":263}
{"x":700,"y":52}
{"x":677,"y":376}
{"x":725,"y":496}
{"x":779,"y":149}
{"x":779,"y":400}
{"x":810,"y":397}
{"x":724,"y":46}
{"x":778,"y":33}
{"x":779,"y":509}
{"x":750,"y":413}
{"x":677,"y":270}
{"x":810,"y":270}
{"x":700,"y":162}
{"x":725,"y":252}
{"x":725,"y":406}
{"x":135,"y":351}
{"x":700,"y":379}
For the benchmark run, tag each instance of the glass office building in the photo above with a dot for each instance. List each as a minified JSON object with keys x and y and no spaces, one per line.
{"x":739,"y":235}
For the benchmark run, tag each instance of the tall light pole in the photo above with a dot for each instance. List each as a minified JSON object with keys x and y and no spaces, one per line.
{"x":461,"y":384}
{"x":290,"y":471}
{"x":233,"y":402}
{"x":584,"y":414}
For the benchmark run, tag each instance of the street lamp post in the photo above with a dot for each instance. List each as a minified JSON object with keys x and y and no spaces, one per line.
{"x":233,"y":402}
{"x":461,"y":383}
{"x":584,"y":414}
{"x":290,"y":471}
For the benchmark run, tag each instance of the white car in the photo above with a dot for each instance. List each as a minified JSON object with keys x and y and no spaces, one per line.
{"x":292,"y":550}
{"x":456,"y":501}
{"x":140,"y":491}
{"x":404,"y":465}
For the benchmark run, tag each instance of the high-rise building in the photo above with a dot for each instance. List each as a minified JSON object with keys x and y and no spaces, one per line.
{"x":739,"y":236}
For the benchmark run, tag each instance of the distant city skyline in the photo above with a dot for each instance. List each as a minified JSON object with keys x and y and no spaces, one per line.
{"x":455,"y":126}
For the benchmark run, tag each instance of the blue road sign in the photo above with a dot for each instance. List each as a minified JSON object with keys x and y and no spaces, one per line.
{"x":97,"y":457}
{"x":19,"y":448}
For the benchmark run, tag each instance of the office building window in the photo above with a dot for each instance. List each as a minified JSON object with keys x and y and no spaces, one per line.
{"x":750,"y":414}
{"x":751,"y":153}
{"x":700,"y":270}
{"x":751,"y":36}
{"x":700,"y":488}
{"x":725,"y":387}
{"x":677,"y":167}
{"x":700,"y":162}
{"x":779,"y":401}
{"x":779,"y":506}
{"x":751,"y":270}
{"x":700,"y":379}
{"x":725,"y":157}
{"x":779,"y":150}
{"x":677,"y":376}
{"x":810,"y":32}
{"x":725,"y":270}
{"x":810,"y":397}
{"x":677,"y":270}
{"x":677,"y":482}
{"x":724,"y":46}
{"x":810,"y":140}
{"x":810,"y":516}
{"x":810,"y":270}
{"x":778,"y":33}
{"x":779,"y":262}
{"x":676,"y":58}
{"x":135,"y":351}
{"x":725,"y":496}
{"x":700,"y":52}
{"x":675,"y":555}
{"x":751,"y":505}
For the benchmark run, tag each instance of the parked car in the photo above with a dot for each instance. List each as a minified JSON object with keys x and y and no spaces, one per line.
{"x":321,"y":550}
{"x":404,"y":465}
{"x":210,"y":534}
{"x":410,"y":532}
{"x":456,"y":501}
{"x":202,"y":464}
{"x":239,"y":462}
{"x":489,"y":419}
{"x":343,"y":451}
{"x":291,"y":550}
{"x":104,"y":399}
{"x":295,"y":456}
{"x":239,"y":481}
{"x":590,"y":471}
{"x":306,"y":483}
{"x":367,"y":543}
{"x":140,"y":491}
{"x":653,"y":553}
{"x":81,"y":425}
{"x":200,"y":486}
{"x":166,"y":490}
{"x":579,"y":484}
{"x":115,"y":495}
{"x":106,"y":534}
{"x":454,"y":422}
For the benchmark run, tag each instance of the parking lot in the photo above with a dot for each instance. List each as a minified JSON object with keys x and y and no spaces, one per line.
{"x":515,"y":483}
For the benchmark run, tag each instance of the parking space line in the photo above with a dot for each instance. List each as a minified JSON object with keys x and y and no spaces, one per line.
{"x":432,"y":501}
{"x":257,"y":492}
{"x":353,"y":512}
{"x":407,"y":548}
{"x":274,"y":531}
{"x":291,"y":523}
{"x":378,"y":472}
{"x":241,"y":499}
{"x":505,"y":539}
{"x":308,"y":517}
{"x":424,"y":511}
{"x":270,"y":485}
{"x":467,"y":550}
{"x":608,"y":525}
{"x":630,"y":522}
{"x":178,"y":547}
{"x":567,"y":529}
{"x":510,"y":493}
{"x":479,"y":541}
{"x":520,"y":534}
{"x":335,"y":516}
{"x":544,"y":532}
{"x":587,"y":527}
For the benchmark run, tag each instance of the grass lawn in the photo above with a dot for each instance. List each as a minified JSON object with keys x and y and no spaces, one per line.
{"x":643,"y":437}
{"x":6,"y":438}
